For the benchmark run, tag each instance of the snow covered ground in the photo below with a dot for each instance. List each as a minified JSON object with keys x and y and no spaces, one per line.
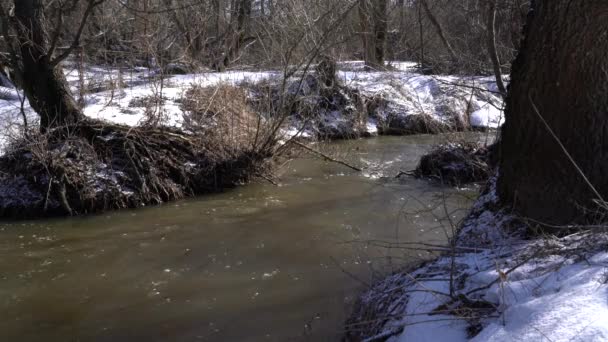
{"x":438,"y":96}
{"x":505,"y":288}
{"x":120,"y":96}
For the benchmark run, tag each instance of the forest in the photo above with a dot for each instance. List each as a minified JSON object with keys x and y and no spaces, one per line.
{"x":315,"y":170}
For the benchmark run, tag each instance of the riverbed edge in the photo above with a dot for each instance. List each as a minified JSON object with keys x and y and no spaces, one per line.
{"x":464,"y":295}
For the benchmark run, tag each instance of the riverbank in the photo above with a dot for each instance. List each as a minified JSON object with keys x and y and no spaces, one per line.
{"x":245,"y":113}
{"x":400,"y":101}
{"x":495,"y":284}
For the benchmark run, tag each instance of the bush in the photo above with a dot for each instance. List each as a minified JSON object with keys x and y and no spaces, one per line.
{"x":225,"y":116}
{"x":457,"y":163}
{"x":95,"y":166}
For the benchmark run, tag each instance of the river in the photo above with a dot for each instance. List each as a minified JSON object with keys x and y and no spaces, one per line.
{"x":256,"y":263}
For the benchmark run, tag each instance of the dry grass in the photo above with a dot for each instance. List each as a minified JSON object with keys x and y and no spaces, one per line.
{"x":95,"y":166}
{"x":224,"y":114}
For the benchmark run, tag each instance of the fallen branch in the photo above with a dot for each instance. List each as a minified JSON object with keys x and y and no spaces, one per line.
{"x":405,"y":173}
{"x":268,"y":179}
{"x":325,"y":156}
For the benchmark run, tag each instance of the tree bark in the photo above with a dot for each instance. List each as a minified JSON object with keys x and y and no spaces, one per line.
{"x":374,"y":23}
{"x":44,"y":83}
{"x":560,"y":76}
{"x":380,"y":30}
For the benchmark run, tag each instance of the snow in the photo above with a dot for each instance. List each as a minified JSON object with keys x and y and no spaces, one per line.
{"x":567,"y":305}
{"x":10,"y":114}
{"x":391,"y":65}
{"x":544,"y":289}
{"x":556,"y":295}
{"x":119,"y":95}
{"x":488,"y":115}
{"x":115,"y":106}
{"x":563,"y":304}
{"x":441,"y":97}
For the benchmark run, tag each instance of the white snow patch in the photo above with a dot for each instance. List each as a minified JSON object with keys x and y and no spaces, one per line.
{"x":552,"y":289}
{"x":488,"y":115}
{"x":111,"y":94}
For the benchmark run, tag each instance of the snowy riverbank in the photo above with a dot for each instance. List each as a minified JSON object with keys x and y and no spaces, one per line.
{"x":497,"y":286}
{"x":400,"y":96}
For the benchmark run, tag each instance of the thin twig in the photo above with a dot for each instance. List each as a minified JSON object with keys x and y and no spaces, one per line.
{"x":599,"y":197}
{"x":325,"y":156}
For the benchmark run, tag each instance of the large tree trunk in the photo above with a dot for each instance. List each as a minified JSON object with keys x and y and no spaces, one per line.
{"x":562,"y":69}
{"x":44,"y":83}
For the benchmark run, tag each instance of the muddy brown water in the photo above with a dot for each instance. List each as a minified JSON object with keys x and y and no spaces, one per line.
{"x":257,"y":263}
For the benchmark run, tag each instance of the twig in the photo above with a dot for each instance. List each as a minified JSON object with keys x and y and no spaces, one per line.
{"x":599,"y":197}
{"x":325,"y":156}
{"x":405,"y":173}
{"x":268,"y":179}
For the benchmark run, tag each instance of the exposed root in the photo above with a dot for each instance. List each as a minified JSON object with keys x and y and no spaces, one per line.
{"x":94,"y":166}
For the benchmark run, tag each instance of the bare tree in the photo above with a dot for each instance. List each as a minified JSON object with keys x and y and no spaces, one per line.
{"x":36,"y":62}
{"x":374,"y":24}
{"x":491,"y":29}
{"x":237,"y":37}
{"x":440,"y":30}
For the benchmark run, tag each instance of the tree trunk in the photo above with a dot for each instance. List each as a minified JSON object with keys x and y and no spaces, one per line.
{"x":365,"y":28}
{"x":491,"y":32}
{"x":562,"y":70}
{"x":373,"y":19}
{"x":44,"y":83}
{"x":380,"y":30}
{"x":237,"y":39}
{"x":421,"y":61}
{"x":217,"y":17}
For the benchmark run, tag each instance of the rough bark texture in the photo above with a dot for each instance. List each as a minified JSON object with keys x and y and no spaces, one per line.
{"x":44,"y":83}
{"x":562,"y":68}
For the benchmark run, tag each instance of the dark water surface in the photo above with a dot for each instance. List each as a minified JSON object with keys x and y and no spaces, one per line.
{"x":257,"y":263}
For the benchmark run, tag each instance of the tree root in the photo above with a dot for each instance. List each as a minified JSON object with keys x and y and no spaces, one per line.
{"x":94,"y":166}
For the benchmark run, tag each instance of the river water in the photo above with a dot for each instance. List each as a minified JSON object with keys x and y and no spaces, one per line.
{"x":256,"y":263}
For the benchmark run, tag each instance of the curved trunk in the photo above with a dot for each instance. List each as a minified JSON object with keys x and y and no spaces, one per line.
{"x":558,"y":90}
{"x":44,"y":83}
